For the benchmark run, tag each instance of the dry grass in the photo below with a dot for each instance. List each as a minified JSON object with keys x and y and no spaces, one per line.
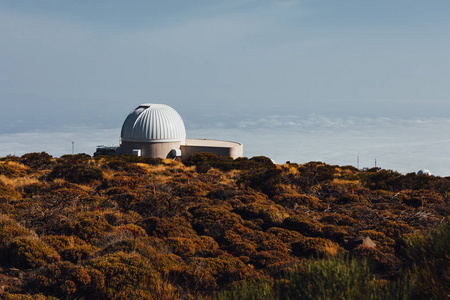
{"x":18,"y":182}
{"x":290,"y":169}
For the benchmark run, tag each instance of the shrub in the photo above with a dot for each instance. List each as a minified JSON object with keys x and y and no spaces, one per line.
{"x":37,"y":160}
{"x":326,"y":279}
{"x":10,"y":229}
{"x":304,"y":225}
{"x":420,"y":198}
{"x":203,"y":161}
{"x":427,"y":257}
{"x":270,"y":214}
{"x":207,"y":274}
{"x":76,"y":173}
{"x":90,"y":227}
{"x":313,"y":173}
{"x":339,"y":219}
{"x":169,"y":227}
{"x":12,"y":169}
{"x":128,"y":276}
{"x":63,"y":279}
{"x":292,"y":201}
{"x":316,"y":247}
{"x":8,"y":194}
{"x":384,"y":263}
{"x":286,"y":236}
{"x":339,"y":279}
{"x":264,"y":180}
{"x":25,"y":252}
{"x":377,"y":179}
{"x":250,"y":290}
{"x":213,"y":221}
{"x":70,"y":248}
{"x":186,"y":247}
{"x":394,"y":229}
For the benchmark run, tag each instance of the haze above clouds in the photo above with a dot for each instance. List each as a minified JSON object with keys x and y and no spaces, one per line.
{"x":233,"y":66}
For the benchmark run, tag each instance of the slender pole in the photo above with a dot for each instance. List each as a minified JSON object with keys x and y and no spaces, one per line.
{"x":73,"y":147}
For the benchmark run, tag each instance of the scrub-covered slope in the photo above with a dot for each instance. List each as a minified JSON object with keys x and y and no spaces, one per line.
{"x":125,"y":227}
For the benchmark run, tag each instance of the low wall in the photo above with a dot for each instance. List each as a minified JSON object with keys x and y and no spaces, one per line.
{"x":223,"y":148}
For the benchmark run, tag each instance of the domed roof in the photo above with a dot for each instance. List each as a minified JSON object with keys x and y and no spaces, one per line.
{"x":424,"y":172}
{"x":153,"y":123}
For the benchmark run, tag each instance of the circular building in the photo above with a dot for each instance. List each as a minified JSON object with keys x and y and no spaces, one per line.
{"x":424,"y":172}
{"x":154,"y":130}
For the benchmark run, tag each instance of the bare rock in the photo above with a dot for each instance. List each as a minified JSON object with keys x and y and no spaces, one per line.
{"x":360,"y":240}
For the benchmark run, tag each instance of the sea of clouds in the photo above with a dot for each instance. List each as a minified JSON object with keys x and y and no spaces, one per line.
{"x":403,"y":145}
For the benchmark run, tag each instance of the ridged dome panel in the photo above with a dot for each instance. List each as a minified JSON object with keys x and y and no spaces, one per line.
{"x":153,"y":122}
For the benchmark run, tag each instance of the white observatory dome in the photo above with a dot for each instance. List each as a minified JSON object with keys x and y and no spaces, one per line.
{"x":153,"y":123}
{"x":424,"y":172}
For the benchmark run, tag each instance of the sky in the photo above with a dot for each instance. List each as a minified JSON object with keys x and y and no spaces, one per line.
{"x":245,"y":70}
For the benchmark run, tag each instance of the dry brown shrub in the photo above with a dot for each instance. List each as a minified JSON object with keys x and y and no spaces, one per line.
{"x":339,"y":219}
{"x":303,"y":224}
{"x":70,"y":248}
{"x":316,"y":247}
{"x":186,"y":247}
{"x":8,"y":194}
{"x":335,"y":233}
{"x":169,"y":227}
{"x":285,"y":235}
{"x":206,"y":275}
{"x":10,"y":229}
{"x":293,"y":200}
{"x":30,"y":252}
{"x":272,"y":214}
{"x":420,"y":198}
{"x":385,"y":263}
{"x":13,"y":169}
{"x":394,"y":229}
{"x":213,"y":221}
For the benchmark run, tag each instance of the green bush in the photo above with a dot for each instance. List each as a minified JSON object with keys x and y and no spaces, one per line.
{"x":328,"y":279}
{"x":427,"y":257}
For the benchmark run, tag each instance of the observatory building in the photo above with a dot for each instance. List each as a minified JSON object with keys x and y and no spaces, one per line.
{"x":157,"y":130}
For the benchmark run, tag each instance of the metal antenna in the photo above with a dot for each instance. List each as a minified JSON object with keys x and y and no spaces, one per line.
{"x":73,"y":147}
{"x":357,"y":161}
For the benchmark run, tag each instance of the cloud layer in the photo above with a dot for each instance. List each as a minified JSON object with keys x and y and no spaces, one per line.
{"x":402,"y":145}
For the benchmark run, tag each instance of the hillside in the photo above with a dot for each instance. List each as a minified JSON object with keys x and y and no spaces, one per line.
{"x":126,"y":227}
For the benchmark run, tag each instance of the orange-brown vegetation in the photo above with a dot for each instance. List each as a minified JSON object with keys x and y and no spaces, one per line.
{"x":125,"y":227}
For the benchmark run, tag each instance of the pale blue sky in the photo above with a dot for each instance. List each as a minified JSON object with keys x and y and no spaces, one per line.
{"x":70,"y":63}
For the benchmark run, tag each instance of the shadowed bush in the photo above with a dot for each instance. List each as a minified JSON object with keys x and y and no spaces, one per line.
{"x":70,"y":248}
{"x":128,"y":276}
{"x":77,"y":173}
{"x":37,"y":160}
{"x":427,"y":256}
{"x":25,"y":252}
